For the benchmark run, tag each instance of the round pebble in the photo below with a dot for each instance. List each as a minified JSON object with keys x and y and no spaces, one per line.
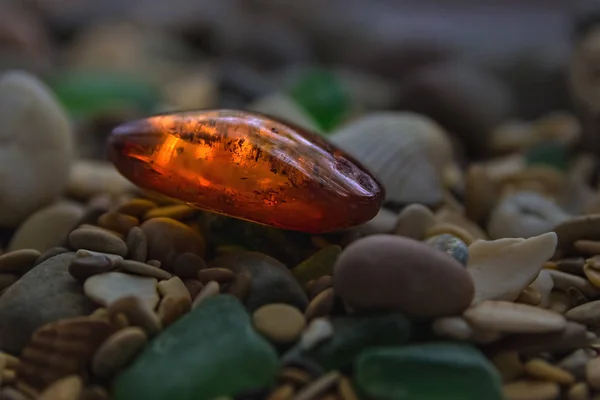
{"x":138,"y":314}
{"x":140,"y":268}
{"x":413,"y":221}
{"x":118,"y":350}
{"x":111,"y":286}
{"x":279,"y":322}
{"x":187,"y":265}
{"x":18,"y":261}
{"x":221,"y":275}
{"x":84,"y":267}
{"x":117,"y":222}
{"x":50,"y":253}
{"x":392,"y":272}
{"x":97,"y":240}
{"x":324,"y":282}
{"x":452,"y":327}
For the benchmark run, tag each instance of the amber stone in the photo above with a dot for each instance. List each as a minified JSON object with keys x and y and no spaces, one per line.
{"x":248,"y":166}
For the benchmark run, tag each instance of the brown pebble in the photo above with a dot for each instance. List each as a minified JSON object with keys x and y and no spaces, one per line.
{"x":118,"y":350}
{"x":318,"y":386}
{"x":50,"y":253}
{"x":154,"y":263}
{"x":97,"y":240}
{"x":187,"y":265}
{"x":135,"y":207}
{"x":194,"y":286}
{"x":240,"y":286}
{"x":563,"y":281}
{"x":10,"y":393}
{"x":83,"y":268}
{"x":321,"y":284}
{"x":18,"y":261}
{"x":117,"y":222}
{"x":321,"y":305}
{"x":7,"y":279}
{"x":346,"y":389}
{"x":221,"y":275}
{"x":283,"y":392}
{"x":212,"y":288}
{"x":543,"y":370}
{"x":171,"y":308}
{"x":573,"y":265}
{"x":178,"y":212}
{"x":138,"y":314}
{"x":279,"y":322}
{"x":67,"y":388}
{"x":294,"y":375}
{"x":588,"y":247}
{"x":143,"y":269}
{"x":137,"y":245}
{"x":531,"y":390}
{"x":572,"y":337}
{"x":173,"y":287}
{"x":119,"y":321}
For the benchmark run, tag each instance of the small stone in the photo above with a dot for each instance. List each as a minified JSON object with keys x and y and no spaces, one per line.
{"x":577,"y":228}
{"x":383,"y":222}
{"x":509,"y":365}
{"x":592,"y":373}
{"x":564,"y":281}
{"x":178,"y":212}
{"x":143,"y":269}
{"x":321,"y":305}
{"x":413,"y":221}
{"x":173,"y":287}
{"x":6,"y":280}
{"x":587,"y":247}
{"x":529,"y":296}
{"x":502,"y":268}
{"x":138,"y":314}
{"x":455,"y":218}
{"x":68,"y":388}
{"x":221,"y":275}
{"x":240,"y":287}
{"x":168,"y":238}
{"x":450,"y":245}
{"x":367,"y":276}
{"x":576,"y":361}
{"x":543,"y":284}
{"x":118,"y":350}
{"x":592,"y":274}
{"x":154,"y":263}
{"x":85,"y":267}
{"x":531,"y":390}
{"x":97,"y":240}
{"x":215,"y":349}
{"x":172,"y":308}
{"x":82,"y":253}
{"x":135,"y":207}
{"x":209,"y":290}
{"x":18,"y":261}
{"x":111,"y":286}
{"x":579,"y":391}
{"x":572,"y":265}
{"x":510,"y":317}
{"x":572,"y":337}
{"x":317,"y":265}
{"x":317,"y":331}
{"x":193,"y":286}
{"x":459,"y":369}
{"x":588,"y":313}
{"x":117,"y":222}
{"x":452,"y":327}
{"x":278,"y":322}
{"x":187,"y":265}
{"x":543,"y":370}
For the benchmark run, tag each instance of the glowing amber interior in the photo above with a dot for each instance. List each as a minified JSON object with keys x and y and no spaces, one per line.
{"x":247,"y":166}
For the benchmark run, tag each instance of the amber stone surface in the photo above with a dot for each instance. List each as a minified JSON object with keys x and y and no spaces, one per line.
{"x":247,"y":166}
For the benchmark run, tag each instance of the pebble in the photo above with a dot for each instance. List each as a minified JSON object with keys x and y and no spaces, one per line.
{"x":221,"y":275}
{"x":67,"y":388}
{"x":37,"y":147}
{"x":450,"y":245}
{"x":173,"y":287}
{"x":426,"y":283}
{"x":84,"y":267}
{"x":240,"y":286}
{"x":209,"y":290}
{"x":319,"y":330}
{"x":543,"y":370}
{"x":576,"y":361}
{"x":449,"y":216}
{"x":50,"y":253}
{"x":10,"y":393}
{"x":572,"y":265}
{"x":317,"y":265}
{"x":187,"y":265}
{"x":577,"y":228}
{"x":321,"y":305}
{"x":529,"y":296}
{"x":135,"y":207}
{"x":543,"y":284}
{"x":452,"y":327}
{"x":502,"y":268}
{"x":572,"y":337}
{"x":117,"y":222}
{"x":319,"y":285}
{"x":564,"y":281}
{"x":588,"y":247}
{"x":413,"y":221}
{"x":47,"y":227}
{"x":171,"y":308}
{"x":89,"y":178}
{"x":97,"y":228}
{"x":168,"y":238}
{"x":450,"y":229}
{"x":383,"y":222}
{"x":137,"y":245}
{"x":510,"y":317}
{"x":588,"y":313}
{"x":213,"y":341}
{"x":143,"y":269}
{"x":592,"y":373}
{"x":278,"y":322}
{"x":319,"y":386}
{"x":97,"y":240}
{"x":138,"y":314}
{"x":579,"y":391}
{"x":82,"y":253}
{"x":18,"y":261}
{"x":480,"y":193}
{"x":193,"y":286}
{"x":111,"y":286}
{"x":178,"y":212}
{"x":45,"y":294}
{"x":118,"y":350}
{"x":592,"y":274}
{"x":509,"y":365}
{"x":531,"y":390}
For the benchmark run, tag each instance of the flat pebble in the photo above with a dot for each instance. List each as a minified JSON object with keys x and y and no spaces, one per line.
{"x":187,"y":265}
{"x":135,"y":207}
{"x":321,"y":305}
{"x":543,"y":370}
{"x":587,"y":313}
{"x":587,"y":247}
{"x":118,"y":350}
{"x":531,"y":390}
{"x":509,"y":365}
{"x":572,"y":337}
{"x":318,"y":330}
{"x":143,"y":269}
{"x":84,"y":267}
{"x":97,"y":240}
{"x":221,"y":275}
{"x":177,"y":211}
{"x":209,"y":290}
{"x":278,"y":322}
{"x":480,"y":193}
{"x":529,"y":296}
{"x":111,"y":286}
{"x":67,"y":388}
{"x":98,"y":228}
{"x":413,"y":221}
{"x":514,"y":318}
{"x":18,"y":261}
{"x":397,"y":273}
{"x":564,"y":281}
{"x":452,"y":327}
{"x":571,"y":265}
{"x":592,"y":373}
{"x":137,"y":312}
{"x":319,"y":285}
{"x":173,"y":287}
{"x":171,"y":308}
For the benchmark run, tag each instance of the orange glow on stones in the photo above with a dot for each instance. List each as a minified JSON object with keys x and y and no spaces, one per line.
{"x":247,"y":166}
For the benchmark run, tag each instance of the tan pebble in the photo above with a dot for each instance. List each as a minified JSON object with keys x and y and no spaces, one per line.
{"x":346,"y":389}
{"x":7,"y":279}
{"x":510,"y":317}
{"x":18,"y":261}
{"x":564,"y":281}
{"x":240,"y":286}
{"x":98,"y":228}
{"x":193,"y":286}
{"x":452,"y":327}
{"x":82,"y":253}
{"x":135,"y":207}
{"x":579,"y":391}
{"x":211,"y":289}
{"x":278,"y":322}
{"x":96,"y":240}
{"x":318,"y":386}
{"x":559,"y":302}
{"x":593,"y":262}
{"x":413,"y":221}
{"x":295,"y":376}
{"x":529,"y":296}
{"x":68,"y":388}
{"x":100,"y":313}
{"x":119,"y":321}
{"x":588,"y":247}
{"x":221,"y":275}
{"x":178,"y":212}
{"x":173,"y":287}
{"x":531,"y":390}
{"x":587,"y":313}
{"x":10,"y":393}
{"x":54,"y":251}
{"x":453,"y":230}
{"x":320,"y":284}
{"x":172,"y":308}
{"x":592,"y":274}
{"x":317,"y":331}
{"x":187,"y":265}
{"x":592,"y":373}
{"x":321,"y":305}
{"x":509,"y":365}
{"x":542,"y":369}
{"x":138,"y":314}
{"x":137,"y":245}
{"x":282,"y":392}
{"x":484,"y":336}
{"x":154,"y":263}
{"x":143,"y":269}
{"x":117,"y":222}
{"x":118,"y":350}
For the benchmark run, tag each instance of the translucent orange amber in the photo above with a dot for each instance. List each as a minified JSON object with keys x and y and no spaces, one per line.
{"x":247,"y":166}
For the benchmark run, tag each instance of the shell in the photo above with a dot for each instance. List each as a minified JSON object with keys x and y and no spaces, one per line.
{"x":451,"y":245}
{"x":408,"y":152}
{"x":60,"y":349}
